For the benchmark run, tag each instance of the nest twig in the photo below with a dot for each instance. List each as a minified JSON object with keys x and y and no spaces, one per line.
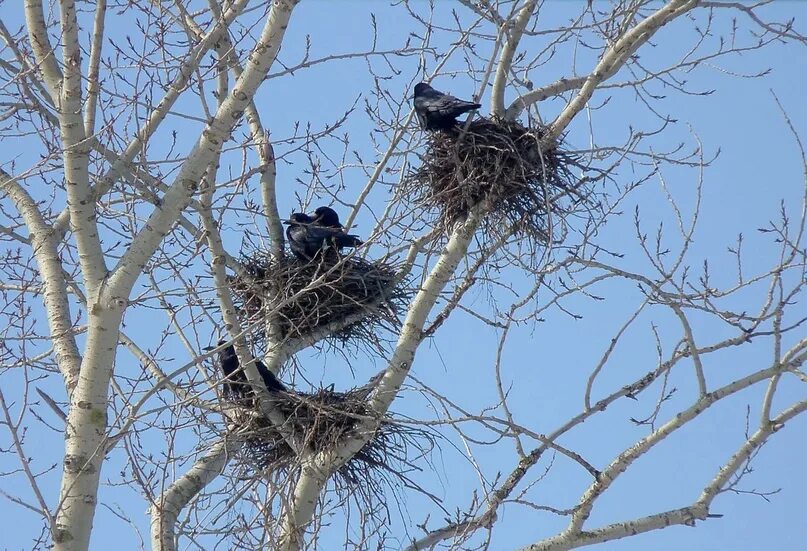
{"x":524,"y":177}
{"x":353,"y":297}
{"x":322,"y":420}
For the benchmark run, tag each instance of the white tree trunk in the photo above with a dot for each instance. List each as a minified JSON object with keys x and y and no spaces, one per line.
{"x":85,"y":431}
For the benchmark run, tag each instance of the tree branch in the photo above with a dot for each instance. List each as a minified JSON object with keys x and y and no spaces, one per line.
{"x":164,"y":514}
{"x":514,"y":32}
{"x":210,"y":142}
{"x":44,"y":245}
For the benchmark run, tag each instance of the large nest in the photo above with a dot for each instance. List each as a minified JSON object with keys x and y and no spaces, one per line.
{"x":322,"y":420}
{"x":524,"y":177}
{"x":347,"y":300}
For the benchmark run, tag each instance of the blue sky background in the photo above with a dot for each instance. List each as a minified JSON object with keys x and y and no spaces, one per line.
{"x":758,"y":167}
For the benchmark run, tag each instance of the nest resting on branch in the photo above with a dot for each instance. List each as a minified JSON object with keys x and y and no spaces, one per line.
{"x":322,"y":420}
{"x":524,"y":177}
{"x":350,"y":298}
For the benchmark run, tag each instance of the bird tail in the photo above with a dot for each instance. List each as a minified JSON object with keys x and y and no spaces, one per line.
{"x":468,"y":106}
{"x":347,"y":240}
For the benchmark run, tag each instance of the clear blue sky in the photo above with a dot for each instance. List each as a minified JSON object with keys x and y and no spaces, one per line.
{"x":548,"y":363}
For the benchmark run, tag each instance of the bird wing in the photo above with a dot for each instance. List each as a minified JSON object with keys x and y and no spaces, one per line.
{"x":444,"y":105}
{"x":321,"y":233}
{"x":297,"y":237}
{"x":271,"y":382}
{"x":347,"y":240}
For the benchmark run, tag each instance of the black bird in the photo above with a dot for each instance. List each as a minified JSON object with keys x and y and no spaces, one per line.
{"x":439,"y":111}
{"x":236,"y":385}
{"x":307,"y":236}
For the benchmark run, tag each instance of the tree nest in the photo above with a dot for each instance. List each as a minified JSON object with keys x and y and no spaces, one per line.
{"x":322,"y":420}
{"x":348,"y":299}
{"x":524,"y":177}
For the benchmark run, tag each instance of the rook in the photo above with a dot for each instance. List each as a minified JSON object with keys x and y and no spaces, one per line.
{"x":439,"y":111}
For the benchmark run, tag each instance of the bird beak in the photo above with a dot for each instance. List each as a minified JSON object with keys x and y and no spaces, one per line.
{"x":209,"y":348}
{"x":287,"y":222}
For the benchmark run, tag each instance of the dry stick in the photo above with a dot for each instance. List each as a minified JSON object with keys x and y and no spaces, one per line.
{"x":26,"y":466}
{"x":604,"y":359}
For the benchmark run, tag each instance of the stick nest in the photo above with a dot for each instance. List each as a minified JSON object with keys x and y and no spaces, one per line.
{"x":322,"y":420}
{"x":525,"y":177}
{"x":352,"y":295}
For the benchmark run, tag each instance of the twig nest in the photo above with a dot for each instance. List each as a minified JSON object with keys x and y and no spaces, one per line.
{"x":349,"y":298}
{"x":322,"y":420}
{"x":524,"y":177}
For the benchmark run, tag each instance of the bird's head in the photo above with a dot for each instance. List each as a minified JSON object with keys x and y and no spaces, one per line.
{"x":219,"y":343}
{"x":326,"y":216}
{"x":298,"y":218}
{"x":421,"y":88}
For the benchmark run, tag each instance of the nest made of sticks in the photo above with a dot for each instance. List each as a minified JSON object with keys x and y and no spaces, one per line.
{"x":356,"y":296}
{"x":524,"y":176}
{"x":321,"y":420}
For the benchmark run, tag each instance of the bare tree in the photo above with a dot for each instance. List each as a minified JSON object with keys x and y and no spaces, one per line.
{"x":135,"y":165}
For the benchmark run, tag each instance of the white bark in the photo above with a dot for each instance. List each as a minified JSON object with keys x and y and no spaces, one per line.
{"x":514,"y":31}
{"x":93,"y":84}
{"x":45,"y":244}
{"x":699,"y":510}
{"x":85,"y":430}
{"x":86,"y":423}
{"x":65,"y":90}
{"x":80,"y":200}
{"x":609,"y":64}
{"x":40,"y":44}
{"x":175,"y":90}
{"x":166,"y":511}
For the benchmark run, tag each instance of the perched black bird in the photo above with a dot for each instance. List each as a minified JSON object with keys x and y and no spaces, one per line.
{"x":236,"y":385}
{"x":439,"y":111}
{"x":308,"y":236}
